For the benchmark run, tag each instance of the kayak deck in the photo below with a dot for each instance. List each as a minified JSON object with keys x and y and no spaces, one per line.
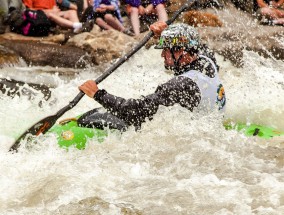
{"x":261,"y":131}
{"x":70,"y":133}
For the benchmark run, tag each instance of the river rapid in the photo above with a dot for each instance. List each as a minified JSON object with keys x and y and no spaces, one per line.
{"x":178,"y":163}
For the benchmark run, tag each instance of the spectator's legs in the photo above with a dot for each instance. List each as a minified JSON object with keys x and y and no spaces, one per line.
{"x":113,"y":22}
{"x":269,"y":13}
{"x":85,"y":5}
{"x":277,"y":15}
{"x":279,"y":21}
{"x":70,"y":15}
{"x":100,"y":22}
{"x":62,"y":19}
{"x":161,"y":12}
{"x":134,"y":18}
{"x":272,"y":13}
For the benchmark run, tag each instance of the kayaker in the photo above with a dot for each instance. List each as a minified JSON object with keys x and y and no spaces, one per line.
{"x":195,"y":84}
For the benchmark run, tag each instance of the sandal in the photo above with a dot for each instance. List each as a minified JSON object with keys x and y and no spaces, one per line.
{"x":128,"y":32}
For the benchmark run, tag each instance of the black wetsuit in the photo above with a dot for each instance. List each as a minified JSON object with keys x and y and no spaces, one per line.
{"x":180,"y":89}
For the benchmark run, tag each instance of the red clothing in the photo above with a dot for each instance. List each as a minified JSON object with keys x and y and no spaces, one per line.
{"x":39,"y":4}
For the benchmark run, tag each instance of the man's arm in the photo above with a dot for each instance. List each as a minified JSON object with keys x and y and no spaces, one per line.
{"x":131,"y":111}
{"x":179,"y":90}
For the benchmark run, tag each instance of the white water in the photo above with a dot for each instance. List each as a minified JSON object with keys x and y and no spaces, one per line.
{"x":177,"y":164}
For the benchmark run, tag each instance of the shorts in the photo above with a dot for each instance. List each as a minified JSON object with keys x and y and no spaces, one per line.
{"x":96,"y":15}
{"x":137,"y":3}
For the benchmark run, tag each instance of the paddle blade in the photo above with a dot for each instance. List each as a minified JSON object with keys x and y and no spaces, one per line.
{"x":39,"y":128}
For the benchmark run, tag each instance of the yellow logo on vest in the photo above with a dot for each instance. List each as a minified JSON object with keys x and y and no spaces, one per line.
{"x":67,"y":135}
{"x":221,"y":97}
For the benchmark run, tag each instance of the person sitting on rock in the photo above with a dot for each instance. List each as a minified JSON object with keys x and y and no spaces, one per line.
{"x":68,"y":19}
{"x":106,"y":14}
{"x":6,"y":7}
{"x":271,"y":12}
{"x":142,"y":8}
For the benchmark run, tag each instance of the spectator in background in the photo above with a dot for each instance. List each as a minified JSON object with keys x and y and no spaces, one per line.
{"x":139,"y":8}
{"x":271,"y":12}
{"x":106,"y":14}
{"x":68,"y":19}
{"x":7,"y":6}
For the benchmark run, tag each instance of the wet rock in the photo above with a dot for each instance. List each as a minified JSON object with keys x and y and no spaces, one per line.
{"x":59,"y":38}
{"x":13,"y":88}
{"x":96,"y":206}
{"x":241,"y":31}
{"x":41,"y":54}
{"x":104,"y":46}
{"x":8,"y":57}
{"x":201,"y":19}
{"x":85,"y":49}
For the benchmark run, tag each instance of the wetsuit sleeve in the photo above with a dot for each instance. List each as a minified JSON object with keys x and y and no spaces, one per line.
{"x":179,"y":90}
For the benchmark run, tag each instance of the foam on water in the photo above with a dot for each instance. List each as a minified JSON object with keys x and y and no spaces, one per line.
{"x":255,"y":93}
{"x":178,"y":163}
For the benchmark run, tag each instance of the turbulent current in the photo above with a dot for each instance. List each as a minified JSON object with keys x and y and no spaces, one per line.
{"x":178,"y":163}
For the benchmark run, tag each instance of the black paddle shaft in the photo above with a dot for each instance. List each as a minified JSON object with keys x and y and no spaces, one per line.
{"x":45,"y":124}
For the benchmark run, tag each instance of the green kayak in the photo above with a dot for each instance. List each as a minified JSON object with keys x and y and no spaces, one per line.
{"x":69,"y":133}
{"x":90,"y":125}
{"x":261,"y":131}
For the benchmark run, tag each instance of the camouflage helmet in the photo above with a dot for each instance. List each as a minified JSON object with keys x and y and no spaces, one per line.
{"x":179,"y":35}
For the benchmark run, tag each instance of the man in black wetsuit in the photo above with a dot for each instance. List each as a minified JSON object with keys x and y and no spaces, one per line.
{"x":195,"y":85}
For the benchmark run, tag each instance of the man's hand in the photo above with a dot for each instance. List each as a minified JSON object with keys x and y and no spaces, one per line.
{"x":158,"y":27}
{"x":90,"y":88}
{"x":100,"y":10}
